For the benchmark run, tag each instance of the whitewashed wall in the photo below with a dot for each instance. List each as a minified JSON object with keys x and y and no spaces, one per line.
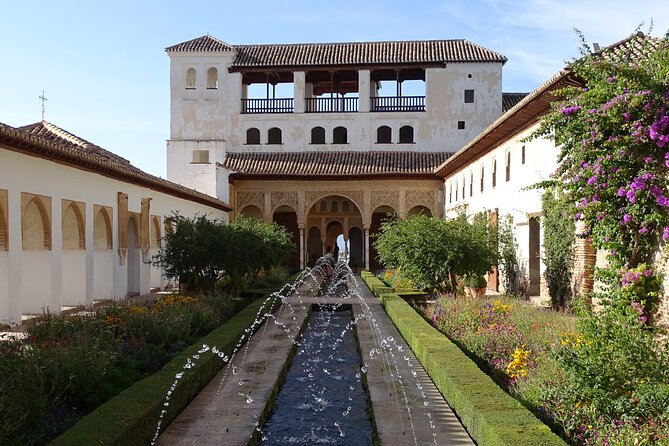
{"x":46,"y":280}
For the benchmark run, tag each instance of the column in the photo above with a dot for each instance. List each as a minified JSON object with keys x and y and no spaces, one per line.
{"x":56,"y":254}
{"x":90,"y":253}
{"x":15,"y":257}
{"x":299,"y":93}
{"x":367,"y":248}
{"x":302,"y":253}
{"x":364,"y":90}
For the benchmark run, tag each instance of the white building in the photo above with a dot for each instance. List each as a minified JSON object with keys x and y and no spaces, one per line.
{"x":78,"y":223}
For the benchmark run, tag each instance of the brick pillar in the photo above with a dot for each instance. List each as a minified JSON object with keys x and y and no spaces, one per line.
{"x":585,"y":257}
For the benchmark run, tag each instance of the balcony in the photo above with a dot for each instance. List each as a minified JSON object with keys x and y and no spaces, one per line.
{"x":397,"y":103}
{"x":331,"y":105}
{"x":275,"y":105}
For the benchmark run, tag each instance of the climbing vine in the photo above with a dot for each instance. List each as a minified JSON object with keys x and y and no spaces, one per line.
{"x":508,"y":255}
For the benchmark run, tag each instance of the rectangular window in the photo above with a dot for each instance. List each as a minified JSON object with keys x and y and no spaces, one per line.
{"x":494,"y":173}
{"x":482,"y":177}
{"x":200,"y":157}
{"x":522,"y":155}
{"x":508,"y":166}
{"x":461,"y":125}
{"x":469,"y":96}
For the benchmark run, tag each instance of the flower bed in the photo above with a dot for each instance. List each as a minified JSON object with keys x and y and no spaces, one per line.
{"x":547,"y":359}
{"x":70,"y":365}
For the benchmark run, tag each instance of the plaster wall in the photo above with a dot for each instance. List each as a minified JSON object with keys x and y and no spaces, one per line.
{"x":30,"y":281}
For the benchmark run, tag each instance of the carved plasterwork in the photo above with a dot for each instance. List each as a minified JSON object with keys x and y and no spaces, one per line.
{"x":312,"y":196}
{"x":313,"y":221}
{"x":420,"y":198}
{"x":386,"y":198}
{"x":255,"y":198}
{"x":355,"y":222}
{"x":284,"y":199}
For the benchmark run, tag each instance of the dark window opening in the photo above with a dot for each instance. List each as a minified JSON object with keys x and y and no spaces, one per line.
{"x":461,"y":125}
{"x":406,"y":134}
{"x":508,"y":166}
{"x":339,"y":135}
{"x":494,"y":173}
{"x":318,"y":135}
{"x":471,"y":184}
{"x":522,"y":155}
{"x":253,"y":136}
{"x":469,"y":96}
{"x":274,"y":136}
{"x":482,"y":177}
{"x":383,"y":135}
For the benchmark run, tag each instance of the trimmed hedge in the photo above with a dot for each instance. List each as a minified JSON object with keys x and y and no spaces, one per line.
{"x":491,"y":416}
{"x":130,"y":418}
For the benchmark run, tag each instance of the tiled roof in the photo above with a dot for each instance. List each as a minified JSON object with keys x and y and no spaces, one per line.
{"x":346,"y":53}
{"x":630,"y":48}
{"x":334,"y":164}
{"x":204,"y":43}
{"x":511,"y":99}
{"x":49,"y":141}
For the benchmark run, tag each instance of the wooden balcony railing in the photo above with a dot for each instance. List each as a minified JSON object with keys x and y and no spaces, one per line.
{"x":331,"y":105}
{"x":397,"y":103}
{"x":278,"y":105}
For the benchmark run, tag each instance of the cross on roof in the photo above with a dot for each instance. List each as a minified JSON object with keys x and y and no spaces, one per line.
{"x":43,"y":98}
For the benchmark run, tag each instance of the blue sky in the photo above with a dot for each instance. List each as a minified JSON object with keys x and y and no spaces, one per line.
{"x":103,"y":67}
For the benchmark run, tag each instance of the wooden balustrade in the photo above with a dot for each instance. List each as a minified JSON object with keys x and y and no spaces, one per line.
{"x":397,"y":103}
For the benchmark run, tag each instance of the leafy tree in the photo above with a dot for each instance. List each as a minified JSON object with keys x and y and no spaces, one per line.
{"x":200,"y":251}
{"x":508,"y":255}
{"x":559,"y":235}
{"x":432,"y":251}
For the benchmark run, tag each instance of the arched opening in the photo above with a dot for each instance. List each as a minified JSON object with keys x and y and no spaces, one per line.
{"x":274,"y":136}
{"x":406,"y":134}
{"x":133,"y":258}
{"x":339,"y":135}
{"x":212,"y":78}
{"x":383,"y":135}
{"x":74,"y":234}
{"x":482,"y":176}
{"x":102,"y":230}
{"x":342,"y":248}
{"x":356,"y":259}
{"x":191,"y":79}
{"x":287,"y":217}
{"x":314,"y":245}
{"x":35,"y":226}
{"x":508,"y":166}
{"x":155,"y":232}
{"x":251,"y":211}
{"x":318,"y":135}
{"x":416,"y":210}
{"x":334,"y":230}
{"x":252,"y":136}
{"x":380,"y":214}
{"x":471,"y":184}
{"x":335,"y":214}
{"x":3,"y":230}
{"x":494,"y":173}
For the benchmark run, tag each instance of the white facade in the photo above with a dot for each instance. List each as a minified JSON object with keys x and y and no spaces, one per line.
{"x":76,"y":256}
{"x":504,"y":191}
{"x":208,"y":116}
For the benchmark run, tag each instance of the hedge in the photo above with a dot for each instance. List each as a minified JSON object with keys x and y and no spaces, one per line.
{"x":130,"y":418}
{"x":491,"y":416}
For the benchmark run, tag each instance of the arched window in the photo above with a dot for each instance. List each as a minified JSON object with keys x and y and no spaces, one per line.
{"x":3,"y":229}
{"x":318,"y":135}
{"x":508,"y":166}
{"x":406,"y":134}
{"x":463,"y":187}
{"x":482,"y":176}
{"x":212,"y":78}
{"x":344,"y":206}
{"x":253,"y":136}
{"x":471,"y":184}
{"x":494,"y":173}
{"x":191,"y":79}
{"x":102,"y":230}
{"x":35,"y":226}
{"x":450,"y":192}
{"x":324,"y":206}
{"x":457,"y":186}
{"x":383,"y":135}
{"x":522,"y":155}
{"x":339,"y":135}
{"x":274,"y":136}
{"x":334,"y":207}
{"x":74,"y":234}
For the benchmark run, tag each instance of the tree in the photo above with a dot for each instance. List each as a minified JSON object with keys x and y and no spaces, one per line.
{"x":432,"y":251}
{"x":199,"y":251}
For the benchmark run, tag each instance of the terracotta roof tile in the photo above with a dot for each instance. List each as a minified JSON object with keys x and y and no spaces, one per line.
{"x":346,"y":53}
{"x":50,"y":142}
{"x":204,"y":43}
{"x":333,"y":164}
{"x":511,"y":99}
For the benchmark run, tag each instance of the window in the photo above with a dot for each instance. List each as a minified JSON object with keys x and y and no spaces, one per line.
{"x":522,"y":155}
{"x":200,"y":157}
{"x":508,"y":166}
{"x":469,"y":96}
{"x":461,"y":125}
{"x":73,"y":230}
{"x":212,"y":78}
{"x":463,"y":187}
{"x":318,"y":135}
{"x":191,"y":79}
{"x":102,"y":228}
{"x":471,"y":184}
{"x":344,"y":206}
{"x":469,"y":76}
{"x":36,"y":223}
{"x":274,"y":136}
{"x":494,"y":173}
{"x":324,"y":206}
{"x":383,"y":135}
{"x":334,"y":207}
{"x":457,"y":186}
{"x":253,"y":136}
{"x":339,"y":135}
{"x":450,"y":193}
{"x":406,"y":134}
{"x":482,"y":177}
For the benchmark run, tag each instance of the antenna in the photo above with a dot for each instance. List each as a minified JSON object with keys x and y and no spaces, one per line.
{"x":43,"y":98}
